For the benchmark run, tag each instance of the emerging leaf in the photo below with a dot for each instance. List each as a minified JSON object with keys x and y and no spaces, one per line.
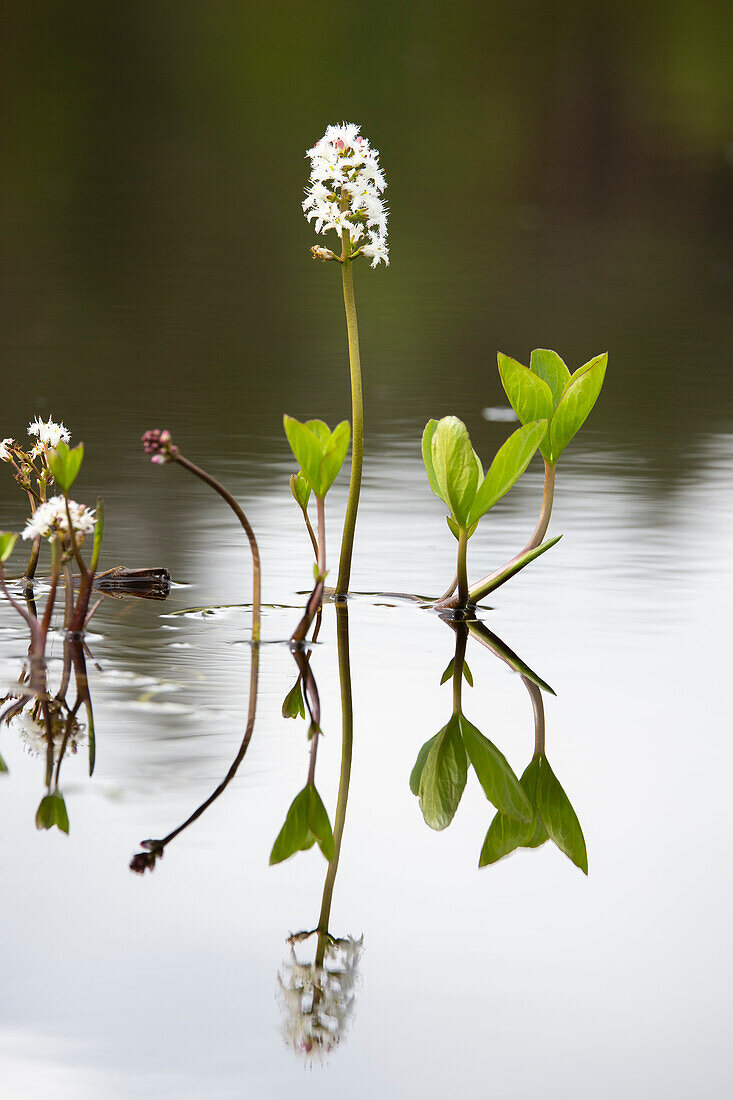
{"x":529,"y":395}
{"x":319,"y":451}
{"x":512,"y":459}
{"x":559,"y":817}
{"x":579,"y":397}
{"x":8,"y":540}
{"x":548,"y":366}
{"x":300,"y":489}
{"x":443,"y":776}
{"x":495,"y":775}
{"x":306,"y":823}
{"x":64,"y":463}
{"x":456,"y":467}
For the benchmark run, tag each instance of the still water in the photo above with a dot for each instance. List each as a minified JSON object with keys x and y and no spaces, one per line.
{"x":159,"y":276}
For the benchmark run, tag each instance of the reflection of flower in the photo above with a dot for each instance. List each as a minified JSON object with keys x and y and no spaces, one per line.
{"x":50,"y":518}
{"x":48,"y":432}
{"x":318,"y":1002}
{"x":29,"y":724}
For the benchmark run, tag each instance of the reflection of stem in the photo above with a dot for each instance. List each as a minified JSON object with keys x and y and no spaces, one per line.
{"x":347,"y":741}
{"x":461,"y":636}
{"x":253,"y":676}
{"x":357,"y":423}
{"x":462,"y":570}
{"x":227,"y":496}
{"x":538,"y":706}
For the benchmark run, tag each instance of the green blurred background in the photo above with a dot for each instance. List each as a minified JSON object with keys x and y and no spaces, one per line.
{"x":559,"y":175}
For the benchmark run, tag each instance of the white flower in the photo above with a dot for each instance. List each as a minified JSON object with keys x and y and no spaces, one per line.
{"x":50,"y":519}
{"x":5,"y":449}
{"x":345,"y":173}
{"x":48,"y":432}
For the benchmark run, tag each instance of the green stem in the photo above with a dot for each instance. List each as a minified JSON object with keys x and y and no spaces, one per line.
{"x":227,"y":496}
{"x":499,"y":576}
{"x":357,"y":425}
{"x":347,"y":744}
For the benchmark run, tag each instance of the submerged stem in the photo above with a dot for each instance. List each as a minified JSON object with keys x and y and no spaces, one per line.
{"x":357,"y":424}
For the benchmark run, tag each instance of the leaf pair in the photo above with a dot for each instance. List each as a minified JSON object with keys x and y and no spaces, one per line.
{"x":548,"y":391}
{"x":52,"y":811}
{"x":553,"y":818}
{"x":441,"y":770}
{"x":64,"y":463}
{"x":306,"y":823}
{"x":320,"y":453}
{"x":455,"y":472}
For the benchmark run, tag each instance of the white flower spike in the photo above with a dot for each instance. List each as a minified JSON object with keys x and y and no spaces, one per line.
{"x":344,"y":192}
{"x":49,"y":433}
{"x":50,"y":519}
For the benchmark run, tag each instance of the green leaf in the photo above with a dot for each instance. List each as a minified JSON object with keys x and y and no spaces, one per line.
{"x":64,"y":463}
{"x":8,"y":540}
{"x":427,"y":456}
{"x":443,"y":776}
{"x":3,"y":767}
{"x":319,"y":451}
{"x":98,"y":536}
{"x":293,"y":703}
{"x":52,"y":811}
{"x":512,"y":459}
{"x":301,"y":490}
{"x":334,"y":455}
{"x":495,"y":775}
{"x":420,"y":763}
{"x":455,"y":467}
{"x":529,"y":395}
{"x":505,"y":834}
{"x":579,"y":397}
{"x":306,"y":823}
{"x":559,"y":817}
{"x":467,"y":674}
{"x":548,"y":366}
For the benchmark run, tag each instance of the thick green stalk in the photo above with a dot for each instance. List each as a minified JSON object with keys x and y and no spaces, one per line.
{"x":499,"y":576}
{"x":357,"y":426}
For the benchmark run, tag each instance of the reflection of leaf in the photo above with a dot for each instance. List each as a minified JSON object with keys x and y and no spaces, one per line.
{"x":306,"y":823}
{"x":293,"y":703}
{"x":3,"y":766}
{"x":495,"y":775}
{"x":420,"y":764}
{"x":449,"y":672}
{"x":559,"y":817}
{"x":505,"y":835}
{"x":52,"y":811}
{"x":442,"y":777}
